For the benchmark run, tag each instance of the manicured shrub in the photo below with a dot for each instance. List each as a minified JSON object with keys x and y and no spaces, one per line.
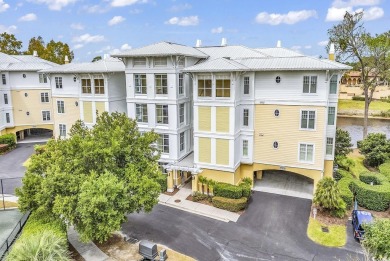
{"x":4,"y":147}
{"x":385,"y":169}
{"x":162,"y":180}
{"x":358,"y":98}
{"x":375,"y":198}
{"x":246,"y":190}
{"x":376,"y":149}
{"x":340,"y":173}
{"x":198,"y":196}
{"x":376,"y":239}
{"x":372,"y":177}
{"x":39,"y":149}
{"x":227,"y":191}
{"x":247,"y":181}
{"x":9,"y":139}
{"x":345,"y":163}
{"x":229,"y":204}
{"x":328,"y":197}
{"x":38,"y":223}
{"x":345,"y":192}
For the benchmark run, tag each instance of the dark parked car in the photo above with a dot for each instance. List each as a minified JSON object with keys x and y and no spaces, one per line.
{"x":360,"y":217}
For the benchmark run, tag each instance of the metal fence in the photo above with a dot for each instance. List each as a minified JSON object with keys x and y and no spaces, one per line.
{"x":7,"y":189}
{"x":5,"y":247}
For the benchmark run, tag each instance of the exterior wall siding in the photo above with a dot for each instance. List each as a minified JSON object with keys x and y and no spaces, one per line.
{"x":204,"y":150}
{"x":204,"y":116}
{"x":222,"y":152}
{"x":222,"y":119}
{"x":87,"y":112}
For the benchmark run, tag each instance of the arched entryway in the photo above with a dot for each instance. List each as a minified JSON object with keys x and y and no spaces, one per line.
{"x":34,"y":134}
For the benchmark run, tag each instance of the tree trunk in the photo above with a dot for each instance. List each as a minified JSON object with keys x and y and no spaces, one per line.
{"x":365,"y":122}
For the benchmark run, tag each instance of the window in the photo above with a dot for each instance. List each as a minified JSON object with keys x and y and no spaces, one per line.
{"x":222,"y":87}
{"x":140,"y":83}
{"x":329,"y":146}
{"x":160,"y":61}
{"x":44,"y":97}
{"x":5,"y":98}
{"x":331,"y":115}
{"x":276,"y":113}
{"x":161,"y":83}
{"x":3,"y":79}
{"x":42,"y":78}
{"x":275,"y":144}
{"x":46,"y":115}
{"x":58,"y":81}
{"x":182,"y":141}
{"x":278,"y":79}
{"x":245,"y":148}
{"x":62,"y":128}
{"x":204,"y":86}
{"x":141,"y":112}
{"x":246,"y":117}
{"x":162,"y":114}
{"x":306,"y":152}
{"x":181,"y":62}
{"x":99,"y":86}
{"x":139,"y":61}
{"x":7,"y":118}
{"x":24,"y":75}
{"x":86,"y":86}
{"x":181,"y":112}
{"x":309,"y":84}
{"x":308,"y":119}
{"x":163,"y":143}
{"x":60,"y":107}
{"x":333,"y":85}
{"x":181,"y":87}
{"x":246,"y":85}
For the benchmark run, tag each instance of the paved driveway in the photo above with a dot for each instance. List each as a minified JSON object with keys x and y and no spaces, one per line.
{"x":272,"y":228}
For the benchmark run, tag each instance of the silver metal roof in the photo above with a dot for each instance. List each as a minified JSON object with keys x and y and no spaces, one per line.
{"x":217,"y":65}
{"x":278,"y":52}
{"x":109,"y":64}
{"x":23,"y":63}
{"x":232,"y":51}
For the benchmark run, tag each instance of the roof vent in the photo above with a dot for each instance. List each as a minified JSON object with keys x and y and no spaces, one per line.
{"x":279,"y":44}
{"x":198,"y":43}
{"x":106,"y":56}
{"x":66,"y":60}
{"x":224,"y":42}
{"x":35,"y":53}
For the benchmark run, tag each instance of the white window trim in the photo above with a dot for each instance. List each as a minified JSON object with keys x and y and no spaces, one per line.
{"x":326,"y":146}
{"x":299,"y":152}
{"x":184,"y":114}
{"x":155,"y":86}
{"x":315,"y":120}
{"x":249,"y":86}
{"x":49,"y":114}
{"x":214,"y":87}
{"x":135,"y":86}
{"x":155,"y":109}
{"x":334,"y":118}
{"x":48,"y":98}
{"x":147,"y":113}
{"x":204,"y":77}
{"x":184,"y":141}
{"x":310,"y":93}
{"x":59,"y":130}
{"x":64,"y":106}
{"x":242,"y":149}
{"x":249,"y":124}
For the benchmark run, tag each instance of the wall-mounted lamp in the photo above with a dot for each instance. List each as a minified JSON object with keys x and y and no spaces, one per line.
{"x":28,"y":113}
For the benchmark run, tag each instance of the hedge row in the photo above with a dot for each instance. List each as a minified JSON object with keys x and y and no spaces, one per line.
{"x":345,"y":191}
{"x":162,"y":180}
{"x":385,"y":169}
{"x":36,"y":224}
{"x":9,"y":139}
{"x":227,"y":190}
{"x":229,"y":204}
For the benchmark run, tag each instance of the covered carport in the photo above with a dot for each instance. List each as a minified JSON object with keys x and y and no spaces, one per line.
{"x":285,"y":183}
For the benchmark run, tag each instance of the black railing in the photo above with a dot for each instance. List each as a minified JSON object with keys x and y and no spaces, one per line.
{"x":7,"y":189}
{"x":5,"y":247}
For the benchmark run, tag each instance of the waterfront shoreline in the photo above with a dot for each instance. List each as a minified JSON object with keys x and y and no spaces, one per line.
{"x":362,"y":116}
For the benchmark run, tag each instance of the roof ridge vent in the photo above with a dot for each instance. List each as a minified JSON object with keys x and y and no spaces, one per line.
{"x":279,"y":44}
{"x":224,"y":42}
{"x":198,"y":43}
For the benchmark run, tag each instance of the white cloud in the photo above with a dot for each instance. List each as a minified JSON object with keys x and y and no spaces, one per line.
{"x":10,"y":29}
{"x":372,"y":13}
{"x":54,"y":4}
{"x":125,"y":47}
{"x":339,"y":7}
{"x":337,"y":14}
{"x":87,"y":38}
{"x":180,"y":7}
{"x":116,"y":20}
{"x":323,"y":43}
{"x":78,"y":46}
{"x":217,"y":30}
{"x":184,"y":21}
{"x":307,"y":47}
{"x":352,"y":3}
{"x":296,"y":47}
{"x":28,"y":17}
{"x":95,"y":9}
{"x":77,"y":26}
{"x":3,"y":6}
{"x":104,"y":49}
{"x":291,"y":17}
{"x":135,"y":11}
{"x":120,"y":3}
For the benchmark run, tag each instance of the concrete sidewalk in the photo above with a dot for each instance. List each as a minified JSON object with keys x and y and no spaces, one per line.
{"x":194,"y":207}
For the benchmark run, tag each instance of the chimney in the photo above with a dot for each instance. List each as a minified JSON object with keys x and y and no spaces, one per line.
{"x":198,"y":43}
{"x":66,"y":60}
{"x":224,"y":42}
{"x":35,"y":53}
{"x":331,"y":52}
{"x":279,"y":44}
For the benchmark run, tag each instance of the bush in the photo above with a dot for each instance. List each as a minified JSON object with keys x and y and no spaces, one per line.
{"x":376,"y":239}
{"x":229,"y":204}
{"x":343,"y":143}
{"x":162,"y":180}
{"x":227,"y":191}
{"x":328,"y":196}
{"x":38,"y":223}
{"x":376,"y":148}
{"x":246,"y":181}
{"x":246,"y":190}
{"x":198,"y":196}
{"x":9,"y":139}
{"x":341,"y":173}
{"x":39,"y":149}
{"x":358,"y":98}
{"x":345,"y":163}
{"x":385,"y":169}
{"x":345,"y":192}
{"x":368,"y":177}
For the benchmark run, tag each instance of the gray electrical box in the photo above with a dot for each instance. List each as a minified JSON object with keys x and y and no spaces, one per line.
{"x":147,"y":249}
{"x":163,"y":255}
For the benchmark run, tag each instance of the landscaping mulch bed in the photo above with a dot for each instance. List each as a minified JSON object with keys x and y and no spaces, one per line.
{"x":325,"y":218}
{"x":171,"y":193}
{"x":209,"y":203}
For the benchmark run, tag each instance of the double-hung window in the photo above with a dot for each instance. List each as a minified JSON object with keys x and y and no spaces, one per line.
{"x":246,"y":117}
{"x":309,"y":84}
{"x":60,"y":107}
{"x":162,"y":114}
{"x":3,"y":79}
{"x":139,"y":62}
{"x":182,"y":146}
{"x":5,"y":98}
{"x":7,"y":118}
{"x":246,"y":85}
{"x":44,"y":97}
{"x":141,"y":112}
{"x":99,"y":86}
{"x":333,"y":85}
{"x":58,"y":81}
{"x":46,"y":115}
{"x":181,"y":82}
{"x":86,"y":86}
{"x":245,"y":148}
{"x":306,"y":152}
{"x":42,"y":78}
{"x":163,"y":143}
{"x":181,"y":113}
{"x":331,"y":115}
{"x":222,"y":87}
{"x":204,"y":86}
{"x":329,"y":146}
{"x":140,"y":83}
{"x":161,"y":83}
{"x":308,"y":119}
{"x":62,"y":128}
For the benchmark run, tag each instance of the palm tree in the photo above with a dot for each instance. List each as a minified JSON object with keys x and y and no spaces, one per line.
{"x":211,"y":184}
{"x":202,"y":180}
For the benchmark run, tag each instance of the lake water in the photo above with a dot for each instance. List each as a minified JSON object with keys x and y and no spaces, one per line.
{"x":355,"y":127}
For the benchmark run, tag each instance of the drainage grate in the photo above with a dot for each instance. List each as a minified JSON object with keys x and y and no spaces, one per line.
{"x":177,"y":200}
{"x":130,"y":240}
{"x":325,"y":229}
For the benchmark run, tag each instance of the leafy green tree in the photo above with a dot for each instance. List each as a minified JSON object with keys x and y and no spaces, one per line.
{"x":370,"y":53}
{"x":328,"y":197}
{"x":376,"y":149}
{"x":36,"y":44}
{"x":376,"y":239}
{"x":96,"y":177}
{"x":56,"y":52}
{"x":9,"y":44}
{"x":343,"y":143}
{"x":40,"y":247}
{"x":97,"y":58}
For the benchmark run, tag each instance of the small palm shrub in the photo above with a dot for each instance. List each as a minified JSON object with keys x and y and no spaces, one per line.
{"x":328,"y":197}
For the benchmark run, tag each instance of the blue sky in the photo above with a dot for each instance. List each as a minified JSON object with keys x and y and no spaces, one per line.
{"x":95,"y":27}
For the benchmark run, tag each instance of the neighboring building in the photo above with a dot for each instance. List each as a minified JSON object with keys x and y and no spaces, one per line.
{"x":25,"y":95}
{"x":79,"y":90}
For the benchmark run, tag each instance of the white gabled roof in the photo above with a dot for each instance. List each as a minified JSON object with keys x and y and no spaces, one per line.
{"x":278,"y":52}
{"x":232,"y":51}
{"x":163,"y":49}
{"x":23,"y":63}
{"x":105,"y":65}
{"x":217,"y":65}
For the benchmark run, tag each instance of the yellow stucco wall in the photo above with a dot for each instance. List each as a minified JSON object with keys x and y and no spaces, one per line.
{"x":328,"y":168}
{"x":285,"y":129}
{"x":100,"y":107}
{"x":204,"y":116}
{"x":217,"y":175}
{"x":204,"y":150}
{"x":222,"y":151}
{"x":71,"y":115}
{"x":222,"y":119}
{"x":26,"y":127}
{"x":88,"y":118}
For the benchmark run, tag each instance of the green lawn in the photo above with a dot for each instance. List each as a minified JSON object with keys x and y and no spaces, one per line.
{"x":359,"y":105}
{"x":336,"y":237}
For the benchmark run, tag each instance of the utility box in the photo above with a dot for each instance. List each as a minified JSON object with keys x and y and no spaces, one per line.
{"x":163,"y":255}
{"x":148,"y":250}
